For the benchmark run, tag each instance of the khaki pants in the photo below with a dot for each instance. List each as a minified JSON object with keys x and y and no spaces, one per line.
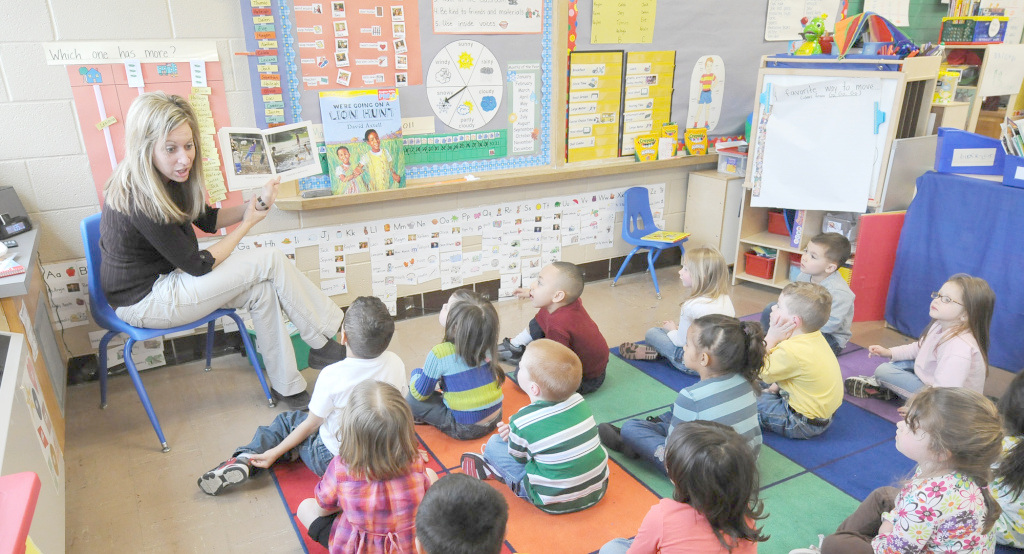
{"x":262,"y":281}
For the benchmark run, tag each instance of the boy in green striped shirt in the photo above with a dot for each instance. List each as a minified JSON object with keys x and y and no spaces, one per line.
{"x":549,"y":453}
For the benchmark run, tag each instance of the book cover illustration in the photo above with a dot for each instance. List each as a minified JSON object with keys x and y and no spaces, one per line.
{"x":363,"y":134}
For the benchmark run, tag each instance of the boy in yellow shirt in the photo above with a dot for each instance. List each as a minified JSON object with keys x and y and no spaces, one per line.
{"x":806,"y":384}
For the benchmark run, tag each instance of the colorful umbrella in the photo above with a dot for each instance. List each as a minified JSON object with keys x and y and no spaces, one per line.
{"x":879,"y":29}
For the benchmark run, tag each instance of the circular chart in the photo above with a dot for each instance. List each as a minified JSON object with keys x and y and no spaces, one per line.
{"x":464,"y":85}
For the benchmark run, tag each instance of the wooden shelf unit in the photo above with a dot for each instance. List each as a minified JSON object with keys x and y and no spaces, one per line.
{"x":974,"y":111}
{"x":912,"y":104}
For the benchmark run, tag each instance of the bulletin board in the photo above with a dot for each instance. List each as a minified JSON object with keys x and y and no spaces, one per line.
{"x":695,"y":29}
{"x":103,"y":91}
{"x":282,"y":94}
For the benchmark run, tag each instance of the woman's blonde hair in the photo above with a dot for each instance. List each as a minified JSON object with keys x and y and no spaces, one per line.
{"x":965,"y":426}
{"x":136,"y":185}
{"x":708,"y":271}
{"x":377,"y":438}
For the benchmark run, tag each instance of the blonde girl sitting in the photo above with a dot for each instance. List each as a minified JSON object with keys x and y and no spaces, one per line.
{"x":366,"y":501}
{"x":705,"y":272}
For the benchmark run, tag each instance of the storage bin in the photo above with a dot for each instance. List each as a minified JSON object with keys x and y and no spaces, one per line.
{"x":759,"y":266}
{"x":794,"y":271}
{"x":958,"y":151}
{"x":732,"y":161}
{"x":777,"y":224}
{"x":299,"y":345}
{"x":973,"y":29}
{"x":1013,"y":172}
{"x":844,"y":223}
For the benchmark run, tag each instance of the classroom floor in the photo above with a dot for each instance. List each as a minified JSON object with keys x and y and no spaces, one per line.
{"x":124,"y":494}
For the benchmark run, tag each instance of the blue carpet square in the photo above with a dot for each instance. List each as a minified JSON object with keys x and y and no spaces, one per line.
{"x":662,"y":371}
{"x":853,"y":429}
{"x":862,"y":472}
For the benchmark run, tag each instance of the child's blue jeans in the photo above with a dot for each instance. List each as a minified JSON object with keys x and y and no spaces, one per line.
{"x":775,"y":415}
{"x":616,"y":546}
{"x":899,"y":377}
{"x":511,"y":470}
{"x":647,"y":439}
{"x":657,"y":338}
{"x":312,"y":451}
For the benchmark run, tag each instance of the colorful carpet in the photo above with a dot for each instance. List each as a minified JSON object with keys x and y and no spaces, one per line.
{"x":808,"y":487}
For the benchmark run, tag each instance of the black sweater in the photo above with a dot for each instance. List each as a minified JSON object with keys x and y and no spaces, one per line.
{"x":137,"y":250}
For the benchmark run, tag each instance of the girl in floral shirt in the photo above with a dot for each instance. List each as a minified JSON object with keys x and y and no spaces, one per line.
{"x":954,"y":435}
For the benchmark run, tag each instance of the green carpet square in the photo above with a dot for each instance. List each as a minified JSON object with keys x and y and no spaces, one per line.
{"x":774,"y":467}
{"x":627,"y":391}
{"x":799,"y":510}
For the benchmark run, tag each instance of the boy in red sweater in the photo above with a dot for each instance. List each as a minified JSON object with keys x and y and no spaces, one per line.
{"x":561,"y":318}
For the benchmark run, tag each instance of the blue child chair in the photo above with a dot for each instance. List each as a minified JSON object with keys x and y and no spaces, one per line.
{"x":105,"y":317}
{"x":638,"y":222}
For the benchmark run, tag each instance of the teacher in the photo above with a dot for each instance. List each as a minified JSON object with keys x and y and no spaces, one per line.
{"x":154,"y":273}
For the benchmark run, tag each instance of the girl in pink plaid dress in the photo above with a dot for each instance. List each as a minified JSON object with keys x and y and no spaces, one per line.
{"x":366,"y":502}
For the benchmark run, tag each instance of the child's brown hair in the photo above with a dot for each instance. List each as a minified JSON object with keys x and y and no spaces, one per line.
{"x":734,"y":346}
{"x":1011,"y":466}
{"x":813,"y":303}
{"x":376,"y":433}
{"x":837,"y":247}
{"x":714,"y":471}
{"x":472,"y":326}
{"x":964,"y":426}
{"x":554,"y":367}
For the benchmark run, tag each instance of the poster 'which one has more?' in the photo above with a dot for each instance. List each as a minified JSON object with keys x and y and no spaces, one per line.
{"x":363,"y":133}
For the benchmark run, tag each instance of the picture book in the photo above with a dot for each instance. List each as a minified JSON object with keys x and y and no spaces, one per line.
{"x":253,"y":156}
{"x":363,"y":134}
{"x":665,"y":236}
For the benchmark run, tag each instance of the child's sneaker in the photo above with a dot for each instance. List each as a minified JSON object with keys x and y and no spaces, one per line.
{"x":475,"y":465}
{"x":867,"y":387}
{"x":611,"y":438}
{"x":231,"y":472}
{"x":635,"y":351}
{"x":510,"y":353}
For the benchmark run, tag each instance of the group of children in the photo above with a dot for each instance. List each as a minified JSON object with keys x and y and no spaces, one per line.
{"x":782,"y":376}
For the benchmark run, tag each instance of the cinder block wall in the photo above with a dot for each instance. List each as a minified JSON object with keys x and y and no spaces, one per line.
{"x":42,"y":154}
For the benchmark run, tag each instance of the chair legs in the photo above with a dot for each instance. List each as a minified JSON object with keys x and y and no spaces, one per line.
{"x":209,"y":344}
{"x":143,"y":395}
{"x":652,"y":256}
{"x":102,"y":369}
{"x":624,"y":264}
{"x":250,"y":350}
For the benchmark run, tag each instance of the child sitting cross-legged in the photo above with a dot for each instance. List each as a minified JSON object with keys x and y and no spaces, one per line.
{"x":952,"y":350}
{"x":461,"y":515}
{"x":468,"y":406}
{"x":561,"y":318}
{"x":313,"y":435}
{"x":707,"y":274}
{"x":549,"y":453}
{"x":820,"y":263}
{"x":728,"y":355}
{"x":954,"y":435}
{"x":714,"y":508}
{"x":1008,"y":486}
{"x":367,"y":499}
{"x":806,"y":383}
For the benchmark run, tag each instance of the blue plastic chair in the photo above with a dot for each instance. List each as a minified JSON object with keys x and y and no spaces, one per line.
{"x":638,"y":222}
{"x":104,"y":315}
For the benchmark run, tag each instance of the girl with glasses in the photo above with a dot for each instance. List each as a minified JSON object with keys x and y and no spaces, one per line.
{"x":952,"y":350}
